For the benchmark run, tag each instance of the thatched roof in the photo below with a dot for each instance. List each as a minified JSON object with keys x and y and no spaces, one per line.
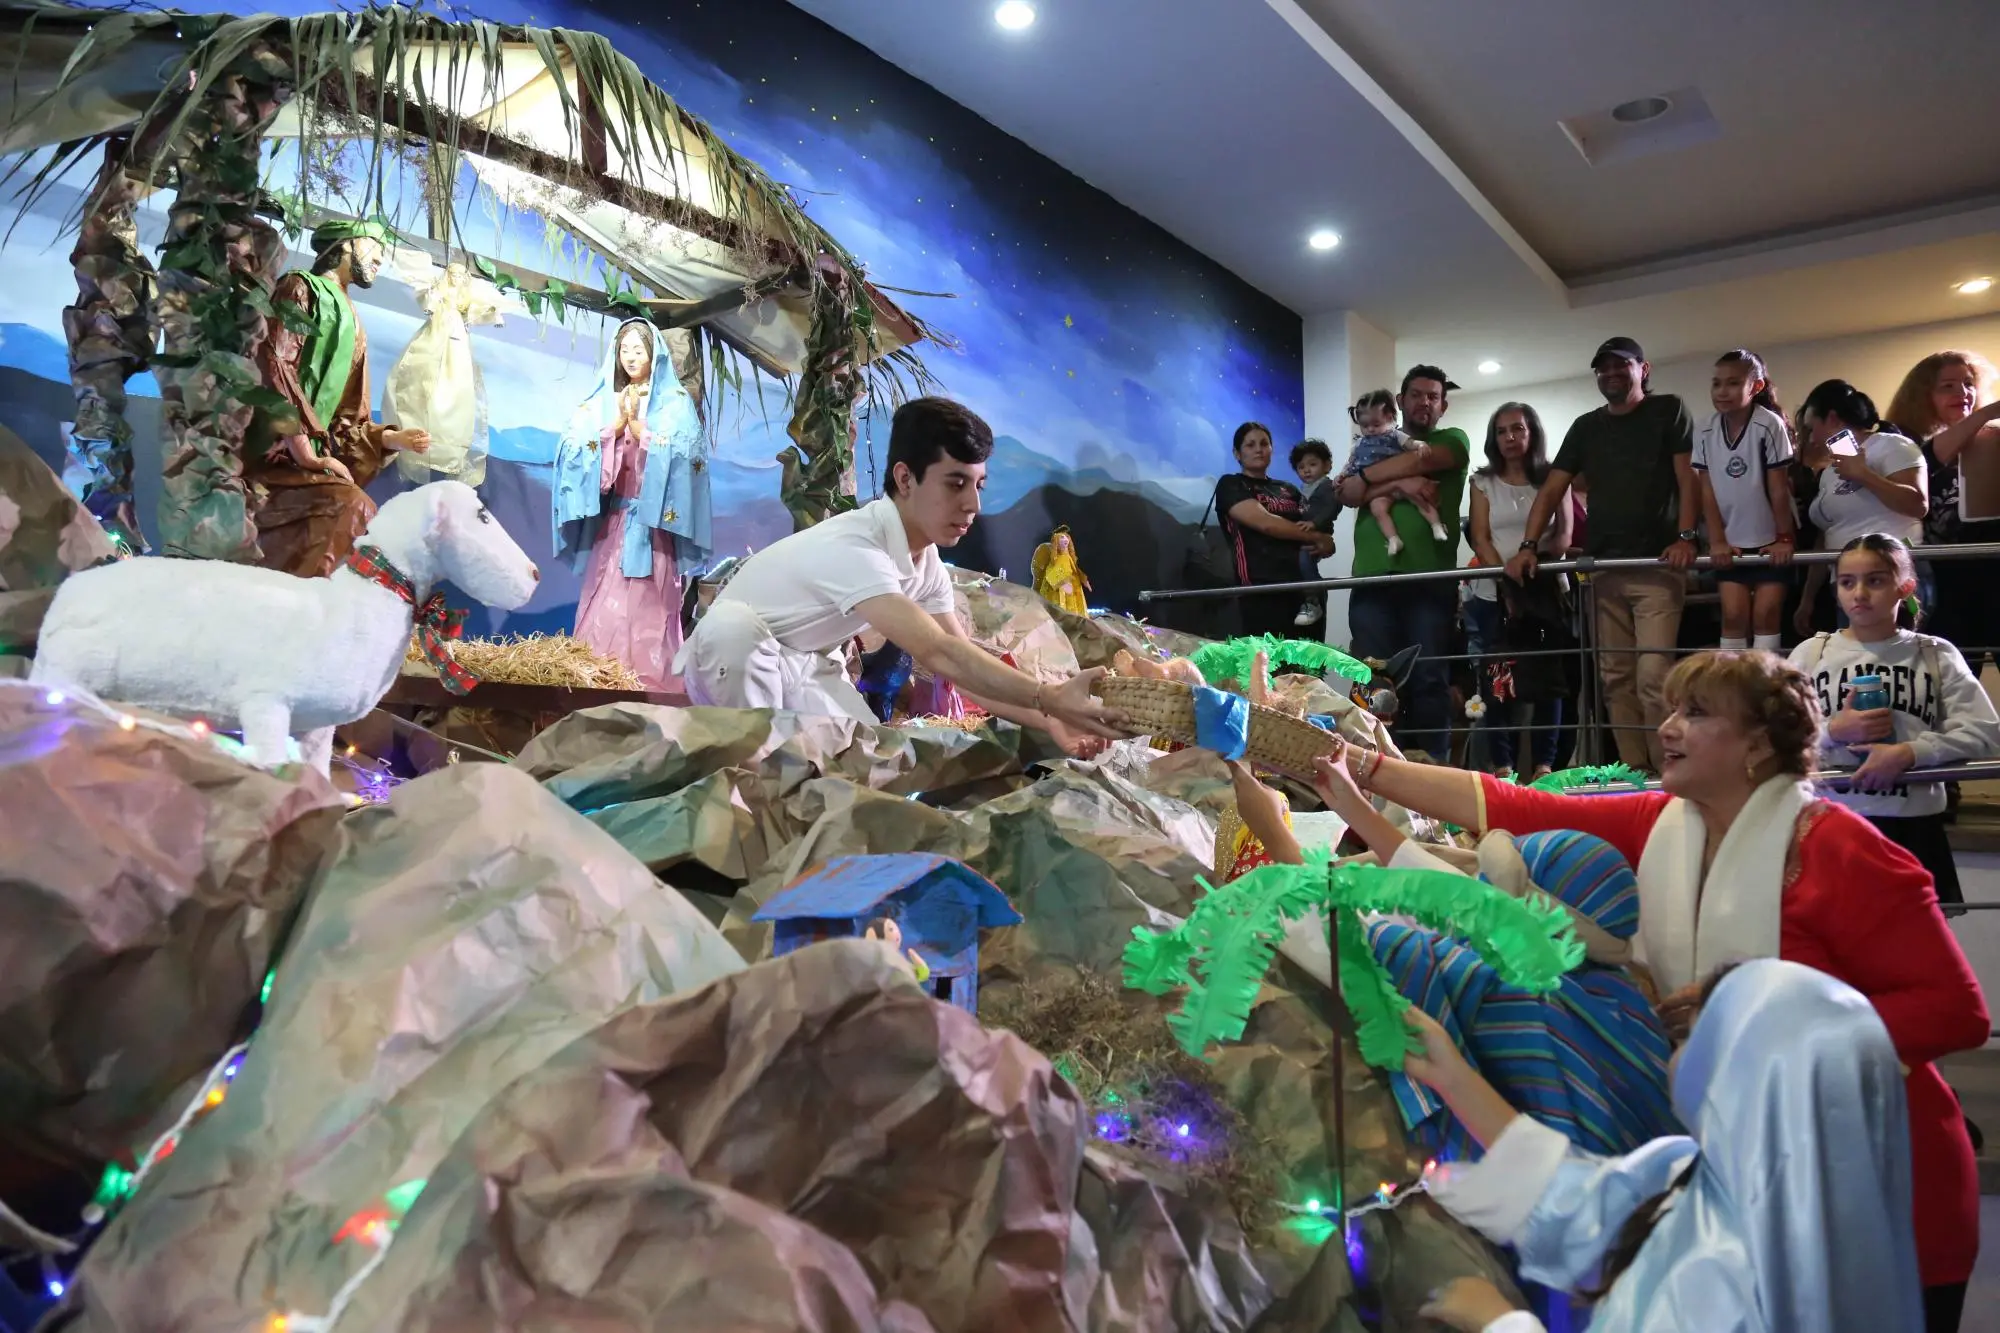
{"x":553,"y":120}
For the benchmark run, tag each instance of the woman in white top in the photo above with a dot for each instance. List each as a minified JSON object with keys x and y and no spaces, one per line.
{"x":1503,"y":492}
{"x":1871,"y":480}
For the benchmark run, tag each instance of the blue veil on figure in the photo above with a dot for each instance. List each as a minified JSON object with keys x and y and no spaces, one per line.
{"x":674,"y":489}
{"x":1588,"y":1059}
{"x":1796,"y":1210}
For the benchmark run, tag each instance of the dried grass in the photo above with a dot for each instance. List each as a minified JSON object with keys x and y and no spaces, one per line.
{"x":1114,"y":1045}
{"x":538,"y":659}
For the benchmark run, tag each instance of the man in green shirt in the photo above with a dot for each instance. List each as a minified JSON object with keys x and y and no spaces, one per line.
{"x":1384,"y":620}
{"x":1635,"y":455}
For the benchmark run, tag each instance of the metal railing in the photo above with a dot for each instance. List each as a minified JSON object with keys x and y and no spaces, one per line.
{"x":1592,"y":722}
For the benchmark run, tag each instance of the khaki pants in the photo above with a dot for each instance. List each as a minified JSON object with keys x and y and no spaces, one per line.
{"x":1637,"y":608}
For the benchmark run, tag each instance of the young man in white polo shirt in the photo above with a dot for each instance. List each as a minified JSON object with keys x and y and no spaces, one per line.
{"x":775,"y":635}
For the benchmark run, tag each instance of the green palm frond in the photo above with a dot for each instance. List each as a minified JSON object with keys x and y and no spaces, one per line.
{"x":320,"y":58}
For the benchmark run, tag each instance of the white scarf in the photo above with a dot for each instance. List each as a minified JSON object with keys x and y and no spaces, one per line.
{"x":1684,"y":934}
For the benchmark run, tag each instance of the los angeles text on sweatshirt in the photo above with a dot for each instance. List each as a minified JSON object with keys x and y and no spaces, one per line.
{"x":1940,"y":710}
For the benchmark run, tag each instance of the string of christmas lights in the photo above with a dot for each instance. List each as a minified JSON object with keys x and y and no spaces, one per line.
{"x":1386,"y":1199}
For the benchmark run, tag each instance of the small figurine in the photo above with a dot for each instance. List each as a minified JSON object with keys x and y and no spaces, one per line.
{"x":886,"y":930}
{"x":1058,"y":576}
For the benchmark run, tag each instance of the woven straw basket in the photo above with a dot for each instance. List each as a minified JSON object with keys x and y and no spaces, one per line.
{"x":1277,"y":741}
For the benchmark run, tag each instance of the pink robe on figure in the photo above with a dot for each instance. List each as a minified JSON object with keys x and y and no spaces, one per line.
{"x":637,"y":621}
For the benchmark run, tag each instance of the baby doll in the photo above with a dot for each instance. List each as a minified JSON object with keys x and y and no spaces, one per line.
{"x":1375,"y":416}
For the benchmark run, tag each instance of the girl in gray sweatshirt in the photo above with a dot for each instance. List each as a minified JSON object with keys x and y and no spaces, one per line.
{"x":1937,"y":711}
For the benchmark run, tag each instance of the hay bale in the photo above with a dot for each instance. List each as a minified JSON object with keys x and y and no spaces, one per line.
{"x":536,"y":659}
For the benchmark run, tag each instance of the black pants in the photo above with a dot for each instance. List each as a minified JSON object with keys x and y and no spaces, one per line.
{"x":1924,"y":837}
{"x":1269,"y":613}
{"x":1385,"y":620}
{"x":1943,"y":1305}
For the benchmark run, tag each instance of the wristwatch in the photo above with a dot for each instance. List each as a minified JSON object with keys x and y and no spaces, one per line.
{"x":1685,"y":535}
{"x":1528,"y":546}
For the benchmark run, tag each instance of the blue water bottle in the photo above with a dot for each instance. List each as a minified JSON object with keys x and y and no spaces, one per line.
{"x":1866,"y":692}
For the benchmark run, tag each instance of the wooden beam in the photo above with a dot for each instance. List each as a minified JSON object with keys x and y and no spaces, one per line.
{"x":429,"y":123}
{"x":670,"y":313}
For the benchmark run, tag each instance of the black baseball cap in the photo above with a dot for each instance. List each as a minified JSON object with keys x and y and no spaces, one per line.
{"x":1426,"y":373}
{"x":1625,"y":347}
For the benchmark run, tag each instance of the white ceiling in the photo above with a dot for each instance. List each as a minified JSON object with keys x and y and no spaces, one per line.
{"x":1855,"y":178}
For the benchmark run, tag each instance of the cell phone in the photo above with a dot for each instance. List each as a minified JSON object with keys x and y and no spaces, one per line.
{"x":1844,"y":444}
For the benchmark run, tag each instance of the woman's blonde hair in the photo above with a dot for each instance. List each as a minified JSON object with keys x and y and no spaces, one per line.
{"x":1758,"y":689}
{"x":1912,"y":409}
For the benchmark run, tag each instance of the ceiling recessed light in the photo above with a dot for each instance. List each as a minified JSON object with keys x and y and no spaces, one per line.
{"x":1015,"y":15}
{"x":1489,"y":367}
{"x":1640,"y":110}
{"x":1323,"y":239}
{"x":1972,"y":286}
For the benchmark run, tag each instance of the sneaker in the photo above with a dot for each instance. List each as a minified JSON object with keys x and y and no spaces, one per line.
{"x":1308,"y":615}
{"x":1394,"y":546}
{"x":1438,"y":531}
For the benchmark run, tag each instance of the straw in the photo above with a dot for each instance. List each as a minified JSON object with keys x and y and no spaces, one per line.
{"x":537,"y":659}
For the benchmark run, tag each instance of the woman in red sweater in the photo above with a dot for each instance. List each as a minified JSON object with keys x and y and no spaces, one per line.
{"x":1736,"y":860}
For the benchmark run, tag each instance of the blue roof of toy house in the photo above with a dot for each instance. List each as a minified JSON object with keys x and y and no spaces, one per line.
{"x":849,"y":887}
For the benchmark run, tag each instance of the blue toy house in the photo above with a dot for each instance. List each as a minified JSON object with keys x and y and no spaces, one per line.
{"x":939,"y":904}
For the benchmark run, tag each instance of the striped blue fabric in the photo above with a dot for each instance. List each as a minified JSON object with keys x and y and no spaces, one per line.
{"x":1588,"y":1059}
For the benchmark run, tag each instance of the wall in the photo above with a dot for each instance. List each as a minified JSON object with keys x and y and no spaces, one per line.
{"x":1345,"y":356}
{"x":1112,"y":361}
{"x":1876,"y":362}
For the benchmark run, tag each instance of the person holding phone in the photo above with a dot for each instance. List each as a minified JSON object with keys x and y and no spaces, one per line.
{"x":1871,"y":480}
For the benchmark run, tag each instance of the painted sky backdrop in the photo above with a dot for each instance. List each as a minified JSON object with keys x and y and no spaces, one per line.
{"x":1104,"y":353}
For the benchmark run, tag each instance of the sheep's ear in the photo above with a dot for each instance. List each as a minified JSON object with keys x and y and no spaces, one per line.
{"x":437,"y":514}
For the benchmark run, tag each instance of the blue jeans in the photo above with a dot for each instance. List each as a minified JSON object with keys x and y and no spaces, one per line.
{"x":1503,"y":724}
{"x":1383,"y":621}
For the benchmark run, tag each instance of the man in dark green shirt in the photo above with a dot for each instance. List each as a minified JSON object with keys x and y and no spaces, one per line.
{"x":1384,"y":620}
{"x":1634,"y":455}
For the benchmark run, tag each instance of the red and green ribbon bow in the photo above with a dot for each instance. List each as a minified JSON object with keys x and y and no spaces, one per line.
{"x":437,"y":623}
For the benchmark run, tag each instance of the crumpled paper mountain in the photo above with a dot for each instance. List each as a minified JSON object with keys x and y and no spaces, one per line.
{"x":471,"y":929}
{"x":146,"y":883}
{"x":45,"y":536}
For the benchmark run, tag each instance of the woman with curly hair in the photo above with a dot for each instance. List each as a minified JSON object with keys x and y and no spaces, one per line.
{"x":1738,"y":859}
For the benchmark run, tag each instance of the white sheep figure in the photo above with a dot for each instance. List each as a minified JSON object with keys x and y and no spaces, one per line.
{"x":270,"y":653}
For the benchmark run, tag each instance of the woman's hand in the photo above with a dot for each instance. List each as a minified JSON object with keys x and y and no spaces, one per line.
{"x":1884,"y":767}
{"x":1467,"y":1304}
{"x":1861,"y":726}
{"x":1852,"y":467}
{"x":1781,"y":550}
{"x":1440,"y":1064}
{"x":1335,"y":780}
{"x":1077,"y":744}
{"x":1679,"y":1010}
{"x":1721,"y":555}
{"x":1073,"y":706}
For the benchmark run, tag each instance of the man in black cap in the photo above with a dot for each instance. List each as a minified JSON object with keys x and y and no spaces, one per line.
{"x":1634,"y":454}
{"x":1385,"y":619}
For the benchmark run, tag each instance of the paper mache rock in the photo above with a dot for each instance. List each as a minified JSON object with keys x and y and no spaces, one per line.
{"x":824,"y":1086}
{"x":471,"y":928}
{"x":1086,"y":851}
{"x":45,"y":536}
{"x":146,"y":883}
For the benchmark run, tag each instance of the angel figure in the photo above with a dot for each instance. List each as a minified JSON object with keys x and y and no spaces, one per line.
{"x":436,"y":385}
{"x":1058,"y":576}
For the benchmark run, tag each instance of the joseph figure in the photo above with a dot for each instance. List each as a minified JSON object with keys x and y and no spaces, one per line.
{"x":307,"y":468}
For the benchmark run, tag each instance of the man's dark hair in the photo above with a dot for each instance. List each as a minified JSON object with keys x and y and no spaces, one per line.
{"x":1427,"y":373}
{"x":1312,"y":449}
{"x":925,"y":430}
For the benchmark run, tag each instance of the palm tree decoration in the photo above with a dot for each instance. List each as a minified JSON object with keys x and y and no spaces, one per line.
{"x":1221,"y":953}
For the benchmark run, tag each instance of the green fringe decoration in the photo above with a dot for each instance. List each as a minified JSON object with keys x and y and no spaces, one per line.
{"x":1231,"y":659}
{"x":1589,"y":775}
{"x":1223,"y":951}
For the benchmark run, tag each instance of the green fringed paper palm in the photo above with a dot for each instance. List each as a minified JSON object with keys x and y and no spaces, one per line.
{"x":1232,"y":659}
{"x":1222,"y":952}
{"x":1589,"y":775}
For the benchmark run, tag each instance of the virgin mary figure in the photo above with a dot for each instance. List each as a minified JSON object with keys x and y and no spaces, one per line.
{"x":632,"y":504}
